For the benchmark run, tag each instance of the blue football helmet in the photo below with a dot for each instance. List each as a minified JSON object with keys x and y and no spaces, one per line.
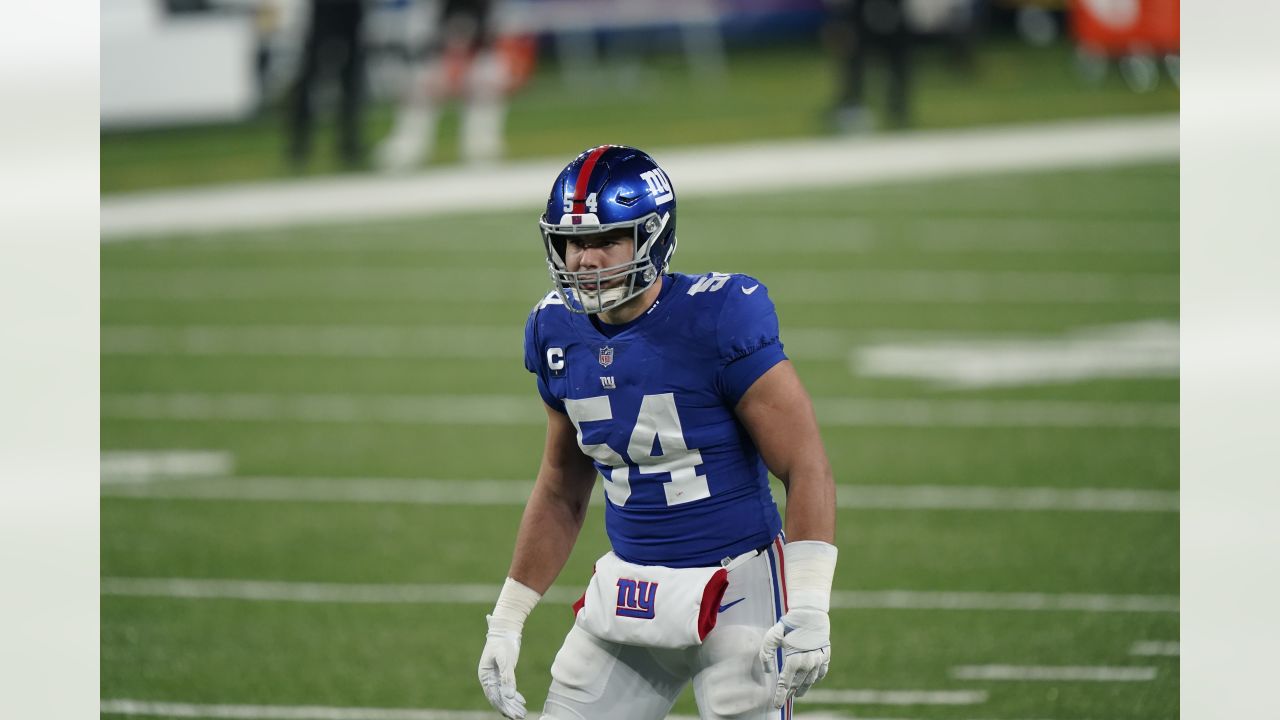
{"x":608,"y":188}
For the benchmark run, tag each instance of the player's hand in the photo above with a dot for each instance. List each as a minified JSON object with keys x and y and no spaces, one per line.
{"x":498,"y":669}
{"x":804,"y":634}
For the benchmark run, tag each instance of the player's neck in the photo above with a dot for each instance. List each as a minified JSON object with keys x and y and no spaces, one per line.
{"x":634,"y":308}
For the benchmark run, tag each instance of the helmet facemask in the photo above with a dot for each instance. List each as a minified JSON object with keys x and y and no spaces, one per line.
{"x":581,"y":290}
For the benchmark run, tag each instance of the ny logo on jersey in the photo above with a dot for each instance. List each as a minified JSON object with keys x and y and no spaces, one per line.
{"x":635,"y":598}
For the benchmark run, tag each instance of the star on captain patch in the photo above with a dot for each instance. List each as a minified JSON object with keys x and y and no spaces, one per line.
{"x":606,"y":356}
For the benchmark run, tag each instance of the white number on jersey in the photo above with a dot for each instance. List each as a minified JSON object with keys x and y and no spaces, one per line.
{"x":657,"y":421}
{"x":709,"y":284}
{"x":618,"y":485}
{"x":552,"y":298}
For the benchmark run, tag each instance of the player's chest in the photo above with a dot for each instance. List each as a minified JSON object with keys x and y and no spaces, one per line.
{"x":584,"y":368}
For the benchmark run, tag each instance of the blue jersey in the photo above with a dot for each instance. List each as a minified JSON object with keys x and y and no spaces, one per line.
{"x":653,"y":403}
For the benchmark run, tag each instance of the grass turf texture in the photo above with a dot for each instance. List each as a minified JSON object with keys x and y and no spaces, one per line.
{"x":1120,"y":223}
{"x":767,"y":94}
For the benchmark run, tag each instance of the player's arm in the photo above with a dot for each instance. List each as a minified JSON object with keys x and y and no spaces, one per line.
{"x":555,"y":512}
{"x":549,"y":528}
{"x":778,"y":414}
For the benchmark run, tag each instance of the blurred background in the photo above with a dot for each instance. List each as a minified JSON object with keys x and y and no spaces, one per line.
{"x":319,"y":247}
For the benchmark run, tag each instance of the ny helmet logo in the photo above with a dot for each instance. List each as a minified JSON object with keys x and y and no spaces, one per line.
{"x":635,"y":598}
{"x":606,"y":356}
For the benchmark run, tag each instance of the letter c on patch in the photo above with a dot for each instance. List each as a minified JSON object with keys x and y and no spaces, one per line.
{"x":555,"y":358}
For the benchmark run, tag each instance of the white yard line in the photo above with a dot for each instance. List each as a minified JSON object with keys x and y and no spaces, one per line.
{"x":133,"y":466}
{"x":1031,"y":602}
{"x":1155,"y":648}
{"x":947,"y":233}
{"x":149,"y":708}
{"x":309,"y":592}
{"x":1063,"y":673}
{"x":896,"y":697}
{"x":501,"y":342}
{"x":967,"y":234}
{"x":526,"y":410}
{"x":282,"y":712}
{"x":865,"y":412}
{"x":524,"y":285}
{"x":415,"y":341}
{"x":701,"y":171}
{"x":1129,"y":350}
{"x":427,"y":491}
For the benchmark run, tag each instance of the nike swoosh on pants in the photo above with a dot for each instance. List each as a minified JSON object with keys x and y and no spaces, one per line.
{"x":735,"y":602}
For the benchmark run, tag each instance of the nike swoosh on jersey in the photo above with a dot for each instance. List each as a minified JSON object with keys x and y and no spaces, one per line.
{"x":748,"y":291}
{"x":735,"y":602}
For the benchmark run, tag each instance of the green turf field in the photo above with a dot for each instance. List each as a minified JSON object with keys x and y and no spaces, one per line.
{"x":385,"y":355}
{"x":766,"y":94}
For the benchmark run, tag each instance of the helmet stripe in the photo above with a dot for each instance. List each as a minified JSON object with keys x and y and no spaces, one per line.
{"x":584,"y":176}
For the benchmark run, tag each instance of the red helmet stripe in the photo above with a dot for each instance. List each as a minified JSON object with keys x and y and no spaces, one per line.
{"x":584,"y":175}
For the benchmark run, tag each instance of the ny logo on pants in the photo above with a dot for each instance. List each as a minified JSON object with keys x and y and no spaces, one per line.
{"x":635,"y":598}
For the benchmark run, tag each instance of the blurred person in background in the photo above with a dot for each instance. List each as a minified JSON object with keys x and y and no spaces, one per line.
{"x":858,"y":27}
{"x":687,"y":376}
{"x":334,"y":37}
{"x":462,"y":59}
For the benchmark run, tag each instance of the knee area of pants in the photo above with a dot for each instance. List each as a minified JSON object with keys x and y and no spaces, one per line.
{"x":735,"y":701}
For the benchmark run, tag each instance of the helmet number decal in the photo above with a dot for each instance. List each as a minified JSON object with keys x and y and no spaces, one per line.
{"x":659,"y":185}
{"x":591,"y":202}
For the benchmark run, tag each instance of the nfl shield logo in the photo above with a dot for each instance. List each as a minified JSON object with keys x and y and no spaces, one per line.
{"x":606,"y":356}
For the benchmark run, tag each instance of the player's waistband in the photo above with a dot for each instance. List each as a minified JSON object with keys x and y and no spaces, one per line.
{"x":730,"y":563}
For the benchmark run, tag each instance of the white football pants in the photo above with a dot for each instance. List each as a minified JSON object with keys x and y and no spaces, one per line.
{"x":592,"y":679}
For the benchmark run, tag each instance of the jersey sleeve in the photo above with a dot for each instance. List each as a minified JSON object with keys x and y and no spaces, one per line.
{"x":746,"y":337}
{"x":534,"y":361}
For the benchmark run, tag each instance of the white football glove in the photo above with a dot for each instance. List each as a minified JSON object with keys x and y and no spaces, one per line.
{"x":498,"y":668}
{"x":804,"y":634}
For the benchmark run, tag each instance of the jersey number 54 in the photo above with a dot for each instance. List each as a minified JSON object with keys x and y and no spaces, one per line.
{"x":656,"y":421}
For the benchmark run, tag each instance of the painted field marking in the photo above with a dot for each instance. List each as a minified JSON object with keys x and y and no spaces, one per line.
{"x":896,"y":697}
{"x":140,"y":466}
{"x":1133,"y":350}
{"x":1046,"y":235}
{"x":149,"y":708}
{"x":525,"y":410}
{"x":1030,"y":602}
{"x":700,"y":171}
{"x":459,"y":341}
{"x":1064,"y":673}
{"x":426,"y":491}
{"x":524,"y":285}
{"x":1155,"y":648}
{"x":405,"y":341}
{"x":487,"y":342}
{"x":422,"y":594}
{"x":938,"y":233}
{"x":866,"y":412}
{"x":282,"y":712}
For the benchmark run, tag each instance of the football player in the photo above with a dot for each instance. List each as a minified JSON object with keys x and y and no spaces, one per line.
{"x":676,"y":391}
